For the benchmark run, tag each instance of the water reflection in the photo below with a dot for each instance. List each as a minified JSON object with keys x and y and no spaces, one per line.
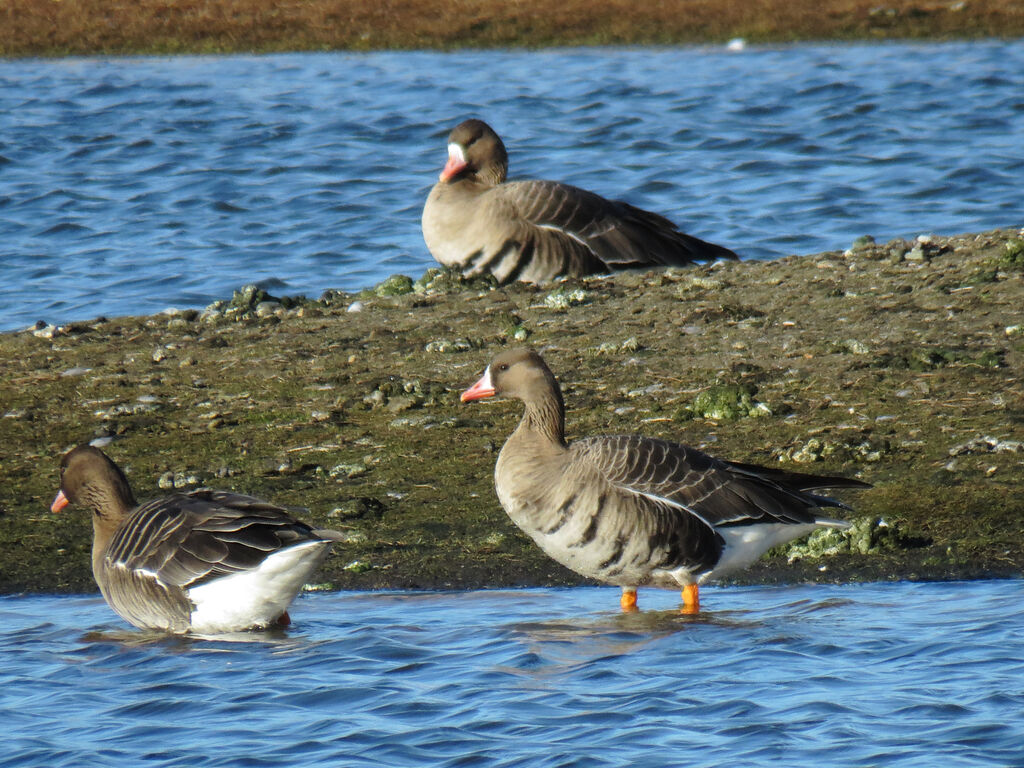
{"x":139,"y":638}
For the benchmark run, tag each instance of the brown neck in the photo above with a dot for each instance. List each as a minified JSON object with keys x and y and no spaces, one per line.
{"x":109,"y":507}
{"x":491,"y":175}
{"x":545,"y":417}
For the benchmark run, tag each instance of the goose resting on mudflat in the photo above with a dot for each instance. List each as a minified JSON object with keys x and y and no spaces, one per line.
{"x":632,"y":510}
{"x":208,"y":562}
{"x":536,"y":231}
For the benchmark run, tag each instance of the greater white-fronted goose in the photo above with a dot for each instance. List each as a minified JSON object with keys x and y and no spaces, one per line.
{"x":207,"y":562}
{"x":536,"y":231}
{"x":634,"y":511}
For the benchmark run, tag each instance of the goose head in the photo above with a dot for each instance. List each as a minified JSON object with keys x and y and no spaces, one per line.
{"x":475,"y":153}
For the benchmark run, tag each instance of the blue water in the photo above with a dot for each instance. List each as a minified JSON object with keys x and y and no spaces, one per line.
{"x":860,"y":675}
{"x":130,"y":185}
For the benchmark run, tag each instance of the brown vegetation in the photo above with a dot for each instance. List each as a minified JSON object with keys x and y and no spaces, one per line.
{"x":78,"y":27}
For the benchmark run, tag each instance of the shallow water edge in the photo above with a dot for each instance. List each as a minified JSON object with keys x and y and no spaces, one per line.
{"x":867,"y":674}
{"x":131,"y":185}
{"x":897,"y":363}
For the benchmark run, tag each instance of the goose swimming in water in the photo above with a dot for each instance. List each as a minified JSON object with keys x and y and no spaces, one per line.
{"x":207,"y":562}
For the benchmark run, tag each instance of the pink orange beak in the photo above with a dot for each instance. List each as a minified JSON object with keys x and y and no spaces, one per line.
{"x":59,"y":502}
{"x":451,"y":168}
{"x":482,"y":389}
{"x":456,"y":163}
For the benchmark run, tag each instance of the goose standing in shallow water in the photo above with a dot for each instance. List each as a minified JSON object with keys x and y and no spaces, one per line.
{"x":632,"y":510}
{"x":208,"y":562}
{"x":536,"y":231}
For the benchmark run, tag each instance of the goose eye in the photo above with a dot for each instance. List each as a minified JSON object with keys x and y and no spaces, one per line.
{"x":503,"y":367}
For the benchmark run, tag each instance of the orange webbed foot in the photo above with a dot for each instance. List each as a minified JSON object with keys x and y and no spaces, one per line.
{"x":628,"y":601}
{"x":691,"y":599}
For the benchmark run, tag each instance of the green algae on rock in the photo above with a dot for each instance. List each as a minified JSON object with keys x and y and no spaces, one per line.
{"x":866,"y":536}
{"x":396,"y":285}
{"x":727,"y":402}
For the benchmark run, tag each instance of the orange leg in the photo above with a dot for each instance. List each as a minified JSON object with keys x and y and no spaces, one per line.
{"x":691,"y":599}
{"x":628,"y":600}
{"x":283,"y":620}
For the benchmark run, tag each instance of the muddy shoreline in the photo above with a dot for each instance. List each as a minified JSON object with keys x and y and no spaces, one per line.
{"x":153,"y":27}
{"x":897,"y":363}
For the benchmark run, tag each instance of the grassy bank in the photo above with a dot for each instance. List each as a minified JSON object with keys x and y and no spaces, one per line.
{"x":87,"y":27}
{"x":898,"y":363}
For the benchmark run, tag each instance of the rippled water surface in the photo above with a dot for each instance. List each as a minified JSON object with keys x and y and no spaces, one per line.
{"x":128,"y":185}
{"x":867,"y":675}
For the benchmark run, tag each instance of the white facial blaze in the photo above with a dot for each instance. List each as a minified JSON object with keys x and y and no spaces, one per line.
{"x":486,"y":380}
{"x":456,"y":154}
